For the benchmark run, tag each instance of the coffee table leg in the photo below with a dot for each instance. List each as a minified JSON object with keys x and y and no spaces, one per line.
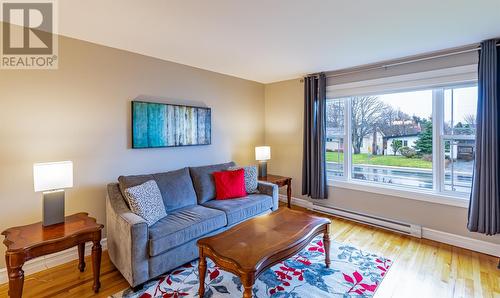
{"x":202,"y":271}
{"x":81,"y":257}
{"x":326,"y":243}
{"x":247,"y":281}
{"x":96,"y":264}
{"x":16,"y":275}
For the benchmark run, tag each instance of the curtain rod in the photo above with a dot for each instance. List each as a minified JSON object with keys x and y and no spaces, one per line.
{"x":406,"y":60}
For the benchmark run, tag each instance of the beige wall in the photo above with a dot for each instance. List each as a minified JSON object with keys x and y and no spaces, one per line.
{"x":283,"y":127}
{"x":81,"y":112}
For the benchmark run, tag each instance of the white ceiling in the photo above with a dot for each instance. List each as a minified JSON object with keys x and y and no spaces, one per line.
{"x":274,"y":40}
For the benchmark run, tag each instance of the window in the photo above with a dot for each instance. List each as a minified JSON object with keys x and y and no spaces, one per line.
{"x":422,"y":139}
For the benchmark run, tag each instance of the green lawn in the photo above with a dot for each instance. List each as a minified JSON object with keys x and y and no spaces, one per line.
{"x":381,"y":160}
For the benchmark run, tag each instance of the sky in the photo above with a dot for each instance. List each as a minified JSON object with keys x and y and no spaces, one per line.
{"x":419,"y":103}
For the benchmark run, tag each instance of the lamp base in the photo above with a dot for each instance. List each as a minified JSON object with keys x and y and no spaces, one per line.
{"x":53,"y":207}
{"x":262,"y":168}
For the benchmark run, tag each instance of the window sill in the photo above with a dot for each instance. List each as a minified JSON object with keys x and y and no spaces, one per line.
{"x":419,"y":195}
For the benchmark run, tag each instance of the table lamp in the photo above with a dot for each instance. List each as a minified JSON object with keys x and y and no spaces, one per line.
{"x":263,"y":154}
{"x":51,"y":179}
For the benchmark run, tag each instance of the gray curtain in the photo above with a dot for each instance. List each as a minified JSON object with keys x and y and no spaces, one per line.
{"x":314,"y":160}
{"x":484,"y":205}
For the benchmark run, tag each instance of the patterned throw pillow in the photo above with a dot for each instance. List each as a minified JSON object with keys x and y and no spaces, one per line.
{"x":250,"y":178}
{"x":145,"y":200}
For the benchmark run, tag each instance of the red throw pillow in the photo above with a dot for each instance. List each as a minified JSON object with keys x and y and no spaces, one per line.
{"x":230,"y":184}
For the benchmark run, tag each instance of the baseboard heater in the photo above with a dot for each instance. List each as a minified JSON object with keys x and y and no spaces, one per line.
{"x":384,"y":223}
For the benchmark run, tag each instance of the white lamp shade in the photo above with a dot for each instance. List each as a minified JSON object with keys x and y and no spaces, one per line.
{"x":53,"y":175}
{"x":262,"y":153}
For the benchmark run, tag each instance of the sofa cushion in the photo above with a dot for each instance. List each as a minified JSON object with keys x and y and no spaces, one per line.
{"x":238,"y":210}
{"x":203,"y":180}
{"x":176,"y":187}
{"x":145,"y":200}
{"x":176,"y":257}
{"x":182,"y":226}
{"x":133,"y":180}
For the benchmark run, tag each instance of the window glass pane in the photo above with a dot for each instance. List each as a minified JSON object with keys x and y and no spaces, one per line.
{"x":459,"y":126}
{"x":335,"y":130}
{"x":460,"y":108}
{"x":335,"y":157}
{"x":459,"y":163}
{"x":335,"y":109}
{"x":381,"y":127}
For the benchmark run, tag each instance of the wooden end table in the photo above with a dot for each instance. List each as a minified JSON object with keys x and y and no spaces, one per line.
{"x":281,"y":181}
{"x":27,"y":242}
{"x":253,"y":246}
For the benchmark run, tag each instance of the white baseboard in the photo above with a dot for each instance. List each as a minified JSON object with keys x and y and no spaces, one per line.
{"x":481,"y":246}
{"x":485,"y":247}
{"x":52,"y":260}
{"x":298,"y":202}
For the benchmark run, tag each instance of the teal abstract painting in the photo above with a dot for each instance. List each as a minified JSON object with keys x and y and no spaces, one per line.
{"x":166,"y":125}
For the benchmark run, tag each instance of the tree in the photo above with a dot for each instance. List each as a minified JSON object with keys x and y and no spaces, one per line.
{"x":395,"y":122}
{"x":424,"y":143}
{"x":365,"y":114}
{"x":334,"y":114}
{"x":396,"y":145}
{"x":470,"y":124}
{"x":470,"y":119}
{"x":374,"y":142}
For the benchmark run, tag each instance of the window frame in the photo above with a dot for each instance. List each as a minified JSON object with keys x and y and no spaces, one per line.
{"x":458,"y":78}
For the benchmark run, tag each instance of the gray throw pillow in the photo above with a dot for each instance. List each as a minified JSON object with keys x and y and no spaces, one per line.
{"x":145,"y":200}
{"x":251,"y":182}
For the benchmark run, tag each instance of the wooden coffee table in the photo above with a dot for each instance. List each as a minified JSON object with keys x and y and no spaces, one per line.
{"x":253,"y":246}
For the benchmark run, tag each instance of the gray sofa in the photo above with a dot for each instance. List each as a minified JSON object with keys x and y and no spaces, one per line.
{"x":142,"y":253}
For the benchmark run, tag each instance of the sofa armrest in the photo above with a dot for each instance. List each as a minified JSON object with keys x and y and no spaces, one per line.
{"x":127,"y":238}
{"x":270,"y":189}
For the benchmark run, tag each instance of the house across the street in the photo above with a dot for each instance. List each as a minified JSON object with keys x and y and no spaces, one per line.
{"x":335,"y":142}
{"x":408,"y":140}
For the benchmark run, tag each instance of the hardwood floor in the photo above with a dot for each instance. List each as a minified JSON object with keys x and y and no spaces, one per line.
{"x":422,"y":268}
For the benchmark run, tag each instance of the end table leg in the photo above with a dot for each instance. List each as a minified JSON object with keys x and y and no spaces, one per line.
{"x":96,"y":264}
{"x":81,"y":257}
{"x":326,"y":243}
{"x":247,"y":292}
{"x":16,"y":282}
{"x":289,"y":193}
{"x":16,"y":276}
{"x":202,"y":271}
{"x":247,"y":281}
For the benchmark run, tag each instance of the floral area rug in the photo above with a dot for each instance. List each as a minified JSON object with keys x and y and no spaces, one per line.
{"x":352,"y":273}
